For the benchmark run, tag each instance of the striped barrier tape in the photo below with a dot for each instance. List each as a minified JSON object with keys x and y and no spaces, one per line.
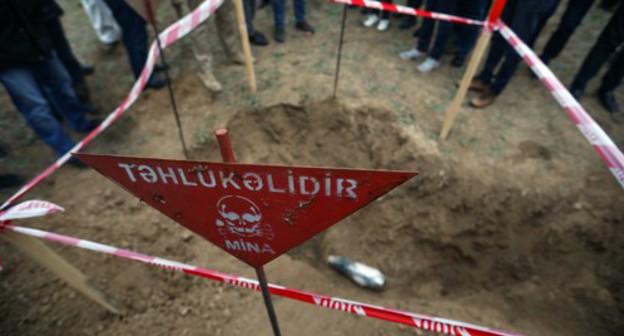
{"x":420,"y":321}
{"x":28,"y":209}
{"x":410,"y":11}
{"x":601,"y":142}
{"x":170,"y":35}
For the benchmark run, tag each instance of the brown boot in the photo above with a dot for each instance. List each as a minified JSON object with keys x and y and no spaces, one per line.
{"x":486,"y":98}
{"x":476,"y":85}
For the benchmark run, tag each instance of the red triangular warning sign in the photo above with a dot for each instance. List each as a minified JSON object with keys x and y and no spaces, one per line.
{"x":254,"y":212}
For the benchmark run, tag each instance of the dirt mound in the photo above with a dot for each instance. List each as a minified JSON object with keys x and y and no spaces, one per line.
{"x":447,"y":235}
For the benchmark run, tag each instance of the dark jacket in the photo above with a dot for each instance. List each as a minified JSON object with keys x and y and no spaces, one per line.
{"x":23,"y":37}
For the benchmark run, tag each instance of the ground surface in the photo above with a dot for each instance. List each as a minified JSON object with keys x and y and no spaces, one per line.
{"x":514,"y":222}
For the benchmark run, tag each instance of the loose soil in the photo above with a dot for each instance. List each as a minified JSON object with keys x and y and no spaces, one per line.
{"x":513,"y":223}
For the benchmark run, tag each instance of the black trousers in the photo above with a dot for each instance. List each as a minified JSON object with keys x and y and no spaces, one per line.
{"x":610,"y":39}
{"x":64,"y":51}
{"x":571,"y":19}
{"x":522,"y":17}
{"x":134,"y":34}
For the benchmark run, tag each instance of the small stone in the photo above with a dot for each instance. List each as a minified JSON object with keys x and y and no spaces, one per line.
{"x":184,"y":310}
{"x":227,"y":313}
{"x":186,"y":236}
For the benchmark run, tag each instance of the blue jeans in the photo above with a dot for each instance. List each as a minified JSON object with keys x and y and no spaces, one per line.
{"x":35,"y":90}
{"x":278,"y":11}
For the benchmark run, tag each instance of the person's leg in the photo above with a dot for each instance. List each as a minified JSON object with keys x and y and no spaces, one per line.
{"x":30,"y":101}
{"x":134,"y":34}
{"x":608,"y":42}
{"x":571,"y":19}
{"x":64,"y":51}
{"x":227,"y":31}
{"x":300,"y":11}
{"x":493,"y":59}
{"x":524,"y":24}
{"x":428,"y":27}
{"x":444,"y":29}
{"x":611,"y":80}
{"x":250,"y":13}
{"x":105,"y":26}
{"x":541,"y":23}
{"x":278,"y":13}
{"x":54,"y":80}
{"x":467,"y":34}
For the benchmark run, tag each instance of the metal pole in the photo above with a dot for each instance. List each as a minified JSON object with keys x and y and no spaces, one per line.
{"x":227,"y":154}
{"x":174,"y":106}
{"x":266,"y":295}
{"x":342,"y":30}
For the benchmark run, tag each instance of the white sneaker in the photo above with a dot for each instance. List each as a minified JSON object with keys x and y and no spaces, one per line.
{"x":383,"y":24}
{"x":371,"y":20}
{"x":428,"y":65}
{"x":411,"y":54}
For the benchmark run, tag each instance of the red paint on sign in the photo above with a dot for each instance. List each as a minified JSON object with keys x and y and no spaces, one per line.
{"x":253,"y":212}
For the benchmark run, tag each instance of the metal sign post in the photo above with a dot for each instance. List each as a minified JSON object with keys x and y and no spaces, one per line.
{"x":227,"y":154}
{"x":253,"y":212}
{"x":342,"y":30}
{"x":152,"y":20}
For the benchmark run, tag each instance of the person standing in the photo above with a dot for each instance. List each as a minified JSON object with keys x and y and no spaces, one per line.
{"x":134,"y":38}
{"x":379,"y":17}
{"x":428,"y":31}
{"x":571,"y":19}
{"x":466,"y":35}
{"x":34,"y":77}
{"x":255,"y":36}
{"x":103,"y":22}
{"x":609,"y":45}
{"x":502,"y":60}
{"x":227,"y":31}
{"x":300,"y":22}
{"x":51,"y":17}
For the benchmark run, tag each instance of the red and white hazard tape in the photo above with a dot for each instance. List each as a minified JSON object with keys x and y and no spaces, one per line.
{"x":29,"y":209}
{"x":409,"y":11}
{"x":601,"y":142}
{"x":170,"y":35}
{"x":424,"y":322}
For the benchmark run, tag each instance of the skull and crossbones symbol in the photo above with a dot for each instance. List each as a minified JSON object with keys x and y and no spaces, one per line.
{"x":240,"y":216}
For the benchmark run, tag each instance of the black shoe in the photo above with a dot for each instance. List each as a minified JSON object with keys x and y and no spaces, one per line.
{"x":91,"y":125}
{"x":407,"y":22}
{"x":607,"y":100}
{"x":305,"y":27}
{"x":10,"y":181}
{"x":279,"y":35}
{"x":258,"y":39}
{"x":76,"y":163}
{"x":576,"y":93}
{"x":161,"y":67}
{"x":156,"y":83}
{"x":458,"y":61}
{"x":88,"y":69}
{"x":416,"y":32}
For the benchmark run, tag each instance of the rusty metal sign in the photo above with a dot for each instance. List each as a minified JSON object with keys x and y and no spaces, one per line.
{"x":253,"y":212}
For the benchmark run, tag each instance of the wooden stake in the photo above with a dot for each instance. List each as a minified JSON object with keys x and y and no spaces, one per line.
{"x":475,"y":59}
{"x":59,"y":266}
{"x":242,"y":29}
